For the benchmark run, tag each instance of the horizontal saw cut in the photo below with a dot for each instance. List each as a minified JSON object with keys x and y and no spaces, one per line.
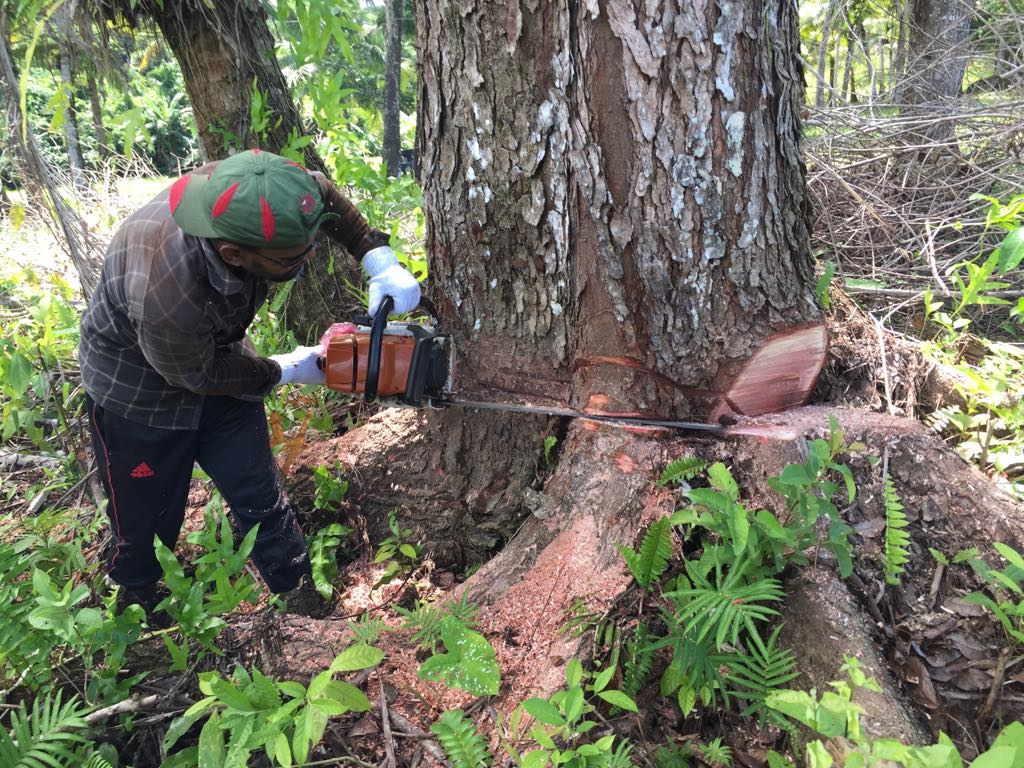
{"x":398,"y":363}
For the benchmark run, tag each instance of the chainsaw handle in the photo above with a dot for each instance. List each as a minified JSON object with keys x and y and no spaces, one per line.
{"x":380,"y":321}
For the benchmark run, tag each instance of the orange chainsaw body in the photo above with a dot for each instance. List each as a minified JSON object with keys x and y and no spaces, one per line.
{"x":347,"y":362}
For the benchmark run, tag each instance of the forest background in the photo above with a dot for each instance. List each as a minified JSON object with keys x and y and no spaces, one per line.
{"x":913,"y":139}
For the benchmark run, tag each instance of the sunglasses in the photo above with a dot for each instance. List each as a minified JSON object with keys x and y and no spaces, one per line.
{"x":290,"y":261}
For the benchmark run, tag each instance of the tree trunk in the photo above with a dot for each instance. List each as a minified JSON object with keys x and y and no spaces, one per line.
{"x":74,"y":149}
{"x":822,"y":91}
{"x":849,"y":95}
{"x":617,"y":219}
{"x":97,"y":115}
{"x":937,"y":55}
{"x":392,"y":82}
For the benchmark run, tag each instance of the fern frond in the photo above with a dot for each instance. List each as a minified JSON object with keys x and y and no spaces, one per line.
{"x":723,"y":610}
{"x":96,"y":760}
{"x":897,"y":540}
{"x":716,"y":753}
{"x":683,"y":470}
{"x":460,"y":740}
{"x":765,"y":668}
{"x":52,"y":734}
{"x":650,"y":562}
{"x":639,"y":658}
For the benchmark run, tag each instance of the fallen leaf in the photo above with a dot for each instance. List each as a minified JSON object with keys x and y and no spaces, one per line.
{"x":971,"y":679}
{"x":969,"y":610}
{"x":969,"y":647}
{"x":869,"y":529}
{"x":922,"y":691}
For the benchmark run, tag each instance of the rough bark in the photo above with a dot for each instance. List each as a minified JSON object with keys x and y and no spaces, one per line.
{"x":615,"y":203}
{"x":392,"y":81}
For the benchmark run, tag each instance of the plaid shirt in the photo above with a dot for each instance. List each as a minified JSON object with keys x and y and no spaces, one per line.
{"x":166,"y":325}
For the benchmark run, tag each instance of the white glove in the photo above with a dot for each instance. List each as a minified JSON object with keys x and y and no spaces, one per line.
{"x":389,"y":278}
{"x":299,"y":366}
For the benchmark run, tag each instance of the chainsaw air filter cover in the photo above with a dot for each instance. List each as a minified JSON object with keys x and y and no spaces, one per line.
{"x":388,"y":359}
{"x":348,"y":358}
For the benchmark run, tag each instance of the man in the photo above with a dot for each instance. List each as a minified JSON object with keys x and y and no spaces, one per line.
{"x":171,"y":378}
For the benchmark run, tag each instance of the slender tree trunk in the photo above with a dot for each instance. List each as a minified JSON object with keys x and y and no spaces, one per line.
{"x":902,"y":9}
{"x":392,"y":82}
{"x":848,"y":95}
{"x":820,"y":94}
{"x":96,"y":109}
{"x":65,"y":55}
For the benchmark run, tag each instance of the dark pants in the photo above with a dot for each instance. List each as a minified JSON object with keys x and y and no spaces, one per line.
{"x":146,"y":473}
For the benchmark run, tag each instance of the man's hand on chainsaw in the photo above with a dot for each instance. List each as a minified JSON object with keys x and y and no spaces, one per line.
{"x":299,"y":366}
{"x":389,"y":278}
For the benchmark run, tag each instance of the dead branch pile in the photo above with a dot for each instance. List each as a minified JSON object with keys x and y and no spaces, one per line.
{"x":893,"y":205}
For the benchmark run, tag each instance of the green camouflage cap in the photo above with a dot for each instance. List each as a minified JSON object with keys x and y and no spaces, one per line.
{"x":254,"y":198}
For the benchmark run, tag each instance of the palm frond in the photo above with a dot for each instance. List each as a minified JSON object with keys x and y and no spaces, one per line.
{"x":763,"y":669}
{"x":51,"y":734}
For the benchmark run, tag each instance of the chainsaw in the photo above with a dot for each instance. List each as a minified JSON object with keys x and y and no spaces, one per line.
{"x":412,"y":364}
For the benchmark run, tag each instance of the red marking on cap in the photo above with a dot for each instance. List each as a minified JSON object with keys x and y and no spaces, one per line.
{"x":292,"y":162}
{"x":307,"y":204}
{"x":255,"y":150}
{"x":224,"y":200}
{"x":266,"y":219}
{"x":177,"y":190}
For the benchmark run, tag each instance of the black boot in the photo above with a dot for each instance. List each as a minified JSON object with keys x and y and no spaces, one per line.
{"x":304,"y":600}
{"x":149,"y":598}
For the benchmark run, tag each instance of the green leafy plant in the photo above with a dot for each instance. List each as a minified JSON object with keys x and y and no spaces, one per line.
{"x":650,"y":562}
{"x":990,"y":423}
{"x":249,"y":712}
{"x":563,"y":721}
{"x":323,"y":547}
{"x":836,"y":717}
{"x":897,"y":540}
{"x":461,"y":741}
{"x":219,"y":584}
{"x":53,"y":733}
{"x":427,"y":620}
{"x":1007,"y":586}
{"x":637,"y":661}
{"x":331,"y":486}
{"x":683,"y":470}
{"x":764,"y":669}
{"x":37,"y":353}
{"x":716,"y":753}
{"x":549,"y":443}
{"x":469,"y":661}
{"x":397,"y":551}
{"x":368,"y":629}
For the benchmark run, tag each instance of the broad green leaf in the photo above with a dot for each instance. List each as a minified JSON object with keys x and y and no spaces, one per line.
{"x":282,"y":750}
{"x":231,"y":696}
{"x":347,"y":695}
{"x":211,"y":744}
{"x":573,"y":672}
{"x":19,"y":373}
{"x":536,"y":758}
{"x":795,"y":474}
{"x":619,"y":699}
{"x":357,"y":657}
{"x":1011,"y":252}
{"x":470,"y":662}
{"x":544,"y":711}
{"x":722,"y":479}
